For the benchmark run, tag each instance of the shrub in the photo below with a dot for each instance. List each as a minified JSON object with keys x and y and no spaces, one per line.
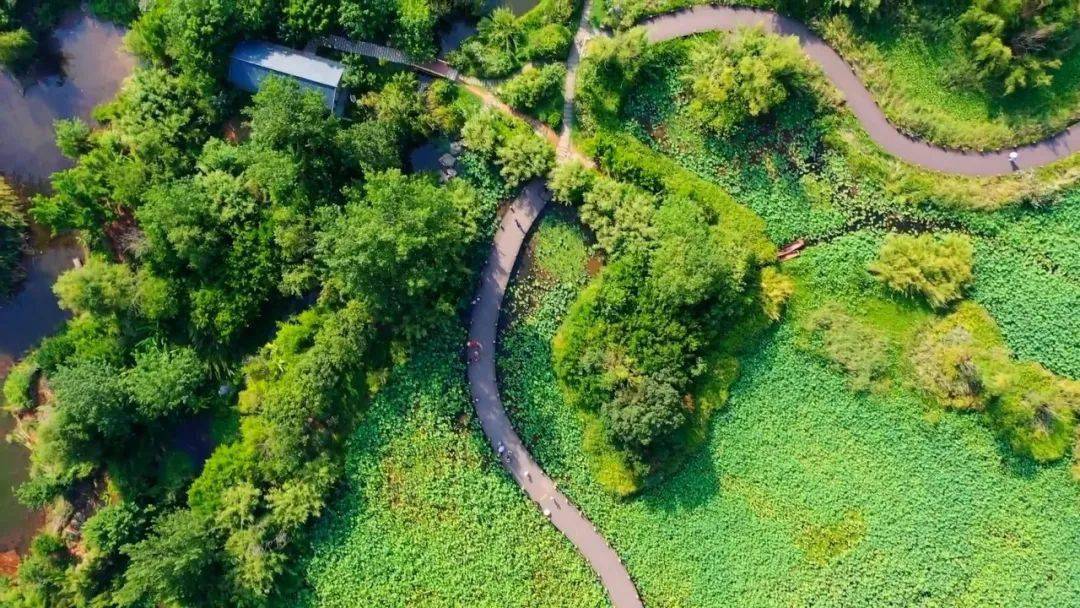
{"x":1035,"y":410}
{"x":938,"y":268}
{"x":747,"y":75}
{"x":548,"y":43}
{"x":524,"y":156}
{"x":72,"y":137}
{"x":16,"y":49}
{"x":776,"y":288}
{"x":570,"y":181}
{"x":122,"y":12}
{"x":533,"y":87}
{"x":19,"y":384}
{"x":860,"y":351}
{"x":12,"y":235}
{"x":1019,"y":44}
{"x":960,"y":360}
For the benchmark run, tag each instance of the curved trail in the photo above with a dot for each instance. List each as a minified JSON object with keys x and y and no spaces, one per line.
{"x":724,"y":18}
{"x":541,"y":489}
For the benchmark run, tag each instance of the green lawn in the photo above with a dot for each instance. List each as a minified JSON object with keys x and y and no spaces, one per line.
{"x":808,"y":493}
{"x":427,"y":516}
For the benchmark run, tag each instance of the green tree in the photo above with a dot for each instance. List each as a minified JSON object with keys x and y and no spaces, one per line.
{"x":170,"y":566}
{"x":524,"y":156}
{"x":12,"y":235}
{"x":1018,"y":43}
{"x":402,"y":245}
{"x":72,"y":137}
{"x":302,"y":20}
{"x":501,"y":30}
{"x":97,"y":287}
{"x":532,"y":87}
{"x":17,"y":49}
{"x":164,"y":380}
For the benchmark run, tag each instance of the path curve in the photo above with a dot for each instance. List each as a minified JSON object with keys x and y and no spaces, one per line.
{"x":726,"y":18}
{"x":483,"y":328}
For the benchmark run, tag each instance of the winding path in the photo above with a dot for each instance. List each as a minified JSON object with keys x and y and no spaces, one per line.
{"x":725,"y":18}
{"x":487,"y":305}
{"x":519,"y":218}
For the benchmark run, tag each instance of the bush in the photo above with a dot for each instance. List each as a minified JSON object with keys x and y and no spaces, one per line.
{"x":745,"y":76}
{"x":19,"y":385}
{"x":524,"y":156}
{"x":861,"y":352}
{"x":16,"y":49}
{"x":936,"y":267}
{"x":961,"y":361}
{"x":548,"y":43}
{"x":533,"y":87}
{"x":12,"y":237}
{"x":1018,"y":45}
{"x":122,"y":12}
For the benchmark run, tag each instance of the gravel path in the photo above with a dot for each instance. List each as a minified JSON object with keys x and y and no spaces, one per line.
{"x":515,"y":456}
{"x":723,"y":18}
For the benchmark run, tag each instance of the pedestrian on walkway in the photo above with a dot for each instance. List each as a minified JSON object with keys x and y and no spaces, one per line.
{"x":1012,"y":157}
{"x":474,"y":349}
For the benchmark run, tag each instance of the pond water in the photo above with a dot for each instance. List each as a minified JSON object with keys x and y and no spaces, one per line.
{"x":425,"y":157}
{"x":90,"y":69}
{"x":451,"y":33}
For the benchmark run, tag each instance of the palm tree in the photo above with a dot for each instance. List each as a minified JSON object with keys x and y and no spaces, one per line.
{"x":501,"y":29}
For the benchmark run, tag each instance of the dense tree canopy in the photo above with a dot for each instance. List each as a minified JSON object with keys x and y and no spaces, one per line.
{"x":1018,"y":43}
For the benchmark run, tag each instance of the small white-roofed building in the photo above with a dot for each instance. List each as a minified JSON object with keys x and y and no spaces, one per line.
{"x":252,"y":61}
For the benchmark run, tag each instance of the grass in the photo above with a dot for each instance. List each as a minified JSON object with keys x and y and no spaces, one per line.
{"x":809,"y":493}
{"x":427,"y":517}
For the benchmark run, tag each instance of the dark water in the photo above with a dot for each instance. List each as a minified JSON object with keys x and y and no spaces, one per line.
{"x":91,"y":67}
{"x":453,"y":32}
{"x":426,"y":156}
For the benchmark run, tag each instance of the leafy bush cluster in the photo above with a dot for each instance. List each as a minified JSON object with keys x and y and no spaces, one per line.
{"x":743,"y":77}
{"x":961,"y":360}
{"x":510,"y":145}
{"x":936,"y":267}
{"x":681,"y":274}
{"x":861,"y":352}
{"x":503,"y":41}
{"x":1018,"y":43}
{"x":12,"y":237}
{"x":537,"y":91}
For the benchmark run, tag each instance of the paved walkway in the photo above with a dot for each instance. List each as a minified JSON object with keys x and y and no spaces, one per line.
{"x":712,"y":18}
{"x":540,"y":488}
{"x":585,"y":32}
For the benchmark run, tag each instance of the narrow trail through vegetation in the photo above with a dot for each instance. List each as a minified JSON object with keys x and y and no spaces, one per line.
{"x":702,"y":19}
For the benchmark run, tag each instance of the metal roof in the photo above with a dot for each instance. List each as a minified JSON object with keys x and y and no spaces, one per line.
{"x":288,"y":61}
